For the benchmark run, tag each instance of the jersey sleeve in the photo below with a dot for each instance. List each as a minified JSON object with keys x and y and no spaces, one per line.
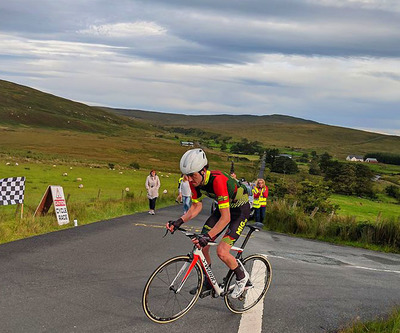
{"x":220,"y":187}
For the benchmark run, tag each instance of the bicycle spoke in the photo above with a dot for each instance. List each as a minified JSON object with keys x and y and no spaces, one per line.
{"x":162,"y":303}
{"x":258,"y":268}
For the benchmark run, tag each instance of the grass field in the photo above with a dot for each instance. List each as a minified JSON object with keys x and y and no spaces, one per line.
{"x":140,"y":146}
{"x":385,"y":168}
{"x":364,"y":209}
{"x":110,"y":183}
{"x":104,"y":195}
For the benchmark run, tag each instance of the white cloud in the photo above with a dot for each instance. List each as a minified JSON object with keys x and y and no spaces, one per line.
{"x":12,"y":45}
{"x":389,"y":5}
{"x":333,"y":61}
{"x":120,"y":30}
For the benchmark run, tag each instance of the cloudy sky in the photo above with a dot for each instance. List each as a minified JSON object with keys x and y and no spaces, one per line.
{"x":332,"y":61}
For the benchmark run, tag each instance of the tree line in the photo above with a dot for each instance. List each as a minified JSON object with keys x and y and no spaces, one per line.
{"x":386,"y":158}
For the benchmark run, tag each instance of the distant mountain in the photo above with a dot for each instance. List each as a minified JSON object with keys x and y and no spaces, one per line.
{"x":20,"y":105}
{"x":26,"y":107}
{"x":276,"y":131}
{"x":172,"y":119}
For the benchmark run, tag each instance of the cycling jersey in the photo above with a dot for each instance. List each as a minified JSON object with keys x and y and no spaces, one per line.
{"x":222,"y":188}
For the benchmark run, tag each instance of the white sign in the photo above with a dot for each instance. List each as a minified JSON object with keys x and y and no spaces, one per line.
{"x":60,"y":205}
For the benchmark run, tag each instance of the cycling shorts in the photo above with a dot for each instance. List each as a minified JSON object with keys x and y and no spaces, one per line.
{"x":239,"y":218}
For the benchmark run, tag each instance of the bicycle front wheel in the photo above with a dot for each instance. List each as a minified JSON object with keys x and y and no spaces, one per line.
{"x":260,"y":272}
{"x":166,"y":296}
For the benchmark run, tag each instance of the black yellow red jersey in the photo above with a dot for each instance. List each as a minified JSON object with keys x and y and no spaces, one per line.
{"x":227,"y":191}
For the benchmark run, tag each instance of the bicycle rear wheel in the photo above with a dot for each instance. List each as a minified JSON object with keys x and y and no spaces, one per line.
{"x":165,"y":298}
{"x":260,"y":272}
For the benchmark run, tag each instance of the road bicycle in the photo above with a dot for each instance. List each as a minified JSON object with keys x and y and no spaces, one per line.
{"x":167,"y":294}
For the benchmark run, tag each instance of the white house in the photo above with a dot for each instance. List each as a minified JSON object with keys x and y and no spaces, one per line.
{"x":371,"y":160}
{"x":187,"y":144}
{"x":355,"y":158}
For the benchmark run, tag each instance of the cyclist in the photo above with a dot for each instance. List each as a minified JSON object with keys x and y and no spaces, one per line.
{"x":232,"y":213}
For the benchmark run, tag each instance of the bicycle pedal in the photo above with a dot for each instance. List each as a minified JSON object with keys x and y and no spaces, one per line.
{"x":249,"y":285}
{"x":205,"y":293}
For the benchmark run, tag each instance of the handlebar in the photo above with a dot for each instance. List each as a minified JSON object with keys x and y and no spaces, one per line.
{"x":194,"y":235}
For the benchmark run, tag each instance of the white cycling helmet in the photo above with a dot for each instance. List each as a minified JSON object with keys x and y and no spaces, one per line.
{"x":193,"y":161}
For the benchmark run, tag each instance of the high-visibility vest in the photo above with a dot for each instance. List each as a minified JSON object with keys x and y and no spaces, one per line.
{"x":179,"y":182}
{"x":261,"y":201}
{"x":256,"y":201}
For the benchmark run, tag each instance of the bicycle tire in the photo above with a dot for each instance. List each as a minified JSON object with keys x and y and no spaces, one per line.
{"x":260,"y":271}
{"x":163,"y":305}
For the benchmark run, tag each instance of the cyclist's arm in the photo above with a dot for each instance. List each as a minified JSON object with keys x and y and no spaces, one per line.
{"x":222,"y":222}
{"x":193,"y":211}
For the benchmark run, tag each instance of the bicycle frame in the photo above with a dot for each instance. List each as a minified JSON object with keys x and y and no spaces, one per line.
{"x":198,"y":255}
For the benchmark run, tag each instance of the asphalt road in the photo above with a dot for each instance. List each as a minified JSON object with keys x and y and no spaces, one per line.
{"x":90,"y":279}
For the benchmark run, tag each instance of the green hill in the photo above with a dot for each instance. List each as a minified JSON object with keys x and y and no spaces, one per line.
{"x":20,"y":105}
{"x":172,"y":119}
{"x":277,"y":131}
{"x":33,"y":116}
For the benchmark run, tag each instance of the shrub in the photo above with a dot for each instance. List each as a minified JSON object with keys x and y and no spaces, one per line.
{"x":284,"y":165}
{"x":393,"y":191}
{"x":313,"y":195}
{"x":134,"y":165}
{"x":283,"y":216}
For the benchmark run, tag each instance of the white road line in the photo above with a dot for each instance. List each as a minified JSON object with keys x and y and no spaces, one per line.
{"x":349,"y":266}
{"x":376,"y":269}
{"x":251,"y":321}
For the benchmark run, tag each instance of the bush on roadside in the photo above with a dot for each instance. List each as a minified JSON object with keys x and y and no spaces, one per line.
{"x":284,"y":216}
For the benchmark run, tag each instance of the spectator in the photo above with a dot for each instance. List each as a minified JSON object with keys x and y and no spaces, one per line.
{"x":185,"y":193}
{"x":152,"y":186}
{"x":260,"y":194}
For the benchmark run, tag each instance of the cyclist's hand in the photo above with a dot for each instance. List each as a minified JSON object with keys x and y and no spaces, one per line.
{"x":202,"y":240}
{"x":172,"y":225}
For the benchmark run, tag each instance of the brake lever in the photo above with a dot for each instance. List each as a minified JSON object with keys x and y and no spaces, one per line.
{"x":166,"y":232}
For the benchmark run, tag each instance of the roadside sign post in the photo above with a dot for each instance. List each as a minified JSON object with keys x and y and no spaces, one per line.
{"x":54,"y":194}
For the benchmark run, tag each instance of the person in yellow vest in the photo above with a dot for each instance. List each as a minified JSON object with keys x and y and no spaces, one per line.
{"x":260,"y":194}
{"x":179,"y":197}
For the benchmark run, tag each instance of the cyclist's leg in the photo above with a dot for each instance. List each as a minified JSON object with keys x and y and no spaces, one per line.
{"x":224,"y":254}
{"x":239,"y":217}
{"x":208,"y":225}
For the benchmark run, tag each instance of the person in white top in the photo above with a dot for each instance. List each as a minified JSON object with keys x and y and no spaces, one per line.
{"x":185,"y":193}
{"x":152,"y":186}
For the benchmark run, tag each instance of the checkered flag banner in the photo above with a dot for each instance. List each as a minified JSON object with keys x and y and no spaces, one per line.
{"x":12,"y":191}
